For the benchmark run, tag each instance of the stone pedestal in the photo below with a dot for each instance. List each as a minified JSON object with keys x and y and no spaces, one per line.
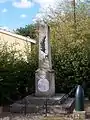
{"x":44,"y":83}
{"x":79,"y":115}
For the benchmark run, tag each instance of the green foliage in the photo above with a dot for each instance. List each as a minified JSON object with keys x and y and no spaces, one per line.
{"x":16,"y":74}
{"x":28,"y":31}
{"x":70,"y":49}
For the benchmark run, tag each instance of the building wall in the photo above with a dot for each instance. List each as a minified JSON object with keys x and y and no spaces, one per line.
{"x":14,"y":43}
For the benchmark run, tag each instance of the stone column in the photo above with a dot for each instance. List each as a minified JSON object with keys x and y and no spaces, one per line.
{"x":44,"y":76}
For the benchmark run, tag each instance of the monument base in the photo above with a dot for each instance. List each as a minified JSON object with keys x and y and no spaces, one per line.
{"x":40,"y":105}
{"x":79,"y":115}
{"x":44,"y":83}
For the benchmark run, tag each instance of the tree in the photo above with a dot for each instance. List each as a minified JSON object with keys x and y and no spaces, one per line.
{"x":70,"y":47}
{"x":16,"y":74}
{"x":28,"y":31}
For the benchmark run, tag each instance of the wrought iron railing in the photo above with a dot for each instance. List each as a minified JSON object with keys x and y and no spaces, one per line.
{"x":61,"y":100}
{"x":46,"y":103}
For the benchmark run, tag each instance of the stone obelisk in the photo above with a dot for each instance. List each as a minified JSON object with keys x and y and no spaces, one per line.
{"x":44,"y":76}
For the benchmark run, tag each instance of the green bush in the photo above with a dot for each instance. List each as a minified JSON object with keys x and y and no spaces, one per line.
{"x":71,"y":49}
{"x":16,"y":74}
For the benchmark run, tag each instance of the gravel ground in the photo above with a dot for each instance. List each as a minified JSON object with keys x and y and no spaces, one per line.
{"x":33,"y":117}
{"x":21,"y":117}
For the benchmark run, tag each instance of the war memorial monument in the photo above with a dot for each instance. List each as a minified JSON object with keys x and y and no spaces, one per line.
{"x":44,"y":77}
{"x":44,"y":83}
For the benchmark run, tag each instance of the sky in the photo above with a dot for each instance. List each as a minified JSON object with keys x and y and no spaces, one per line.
{"x":18,"y":13}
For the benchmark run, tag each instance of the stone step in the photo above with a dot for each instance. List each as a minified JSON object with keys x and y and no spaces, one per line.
{"x":42,"y":100}
{"x":69,"y":105}
{"x":64,"y":108}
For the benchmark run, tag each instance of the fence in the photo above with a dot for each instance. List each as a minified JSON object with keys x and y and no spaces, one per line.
{"x":44,"y":108}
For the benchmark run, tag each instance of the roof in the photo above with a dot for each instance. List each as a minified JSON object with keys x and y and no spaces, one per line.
{"x":17,"y":36}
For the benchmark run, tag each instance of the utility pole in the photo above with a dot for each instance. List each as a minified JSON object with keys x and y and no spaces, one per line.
{"x":74,"y":15}
{"x":74,"y":6}
{"x":74,"y":11}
